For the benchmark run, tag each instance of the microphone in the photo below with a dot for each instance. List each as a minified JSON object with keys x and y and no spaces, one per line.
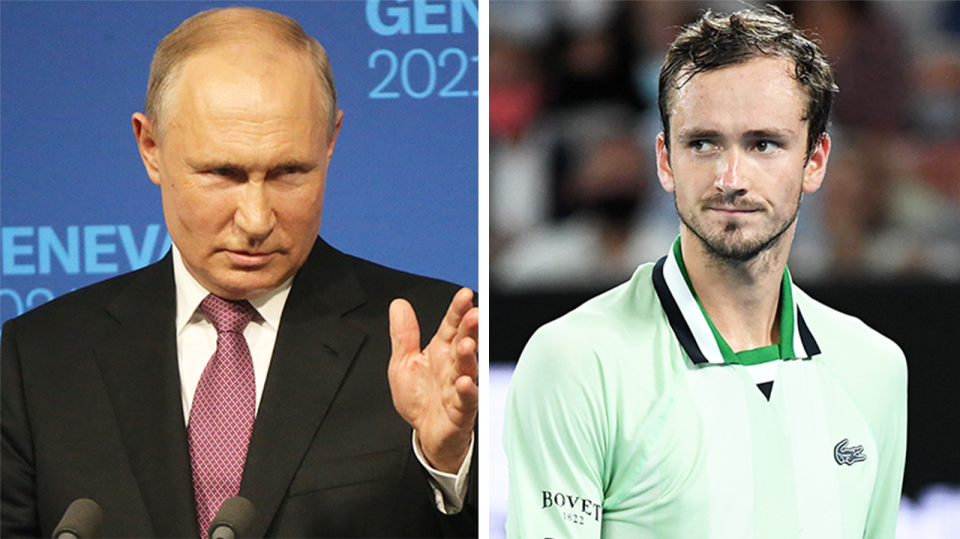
{"x":232,"y":519}
{"x":83,"y":519}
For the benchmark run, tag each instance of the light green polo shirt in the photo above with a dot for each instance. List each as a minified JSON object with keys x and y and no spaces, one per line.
{"x":631,"y":417}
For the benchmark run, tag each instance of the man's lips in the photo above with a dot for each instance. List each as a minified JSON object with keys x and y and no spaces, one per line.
{"x":733,"y":210}
{"x":249,"y":258}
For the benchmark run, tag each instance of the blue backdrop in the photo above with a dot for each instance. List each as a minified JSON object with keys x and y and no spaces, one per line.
{"x":77,"y":206}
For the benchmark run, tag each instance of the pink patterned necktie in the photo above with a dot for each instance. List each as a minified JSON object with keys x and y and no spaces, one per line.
{"x":223,"y":409}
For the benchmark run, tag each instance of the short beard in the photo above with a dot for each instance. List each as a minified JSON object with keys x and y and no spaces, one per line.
{"x":727,"y":250}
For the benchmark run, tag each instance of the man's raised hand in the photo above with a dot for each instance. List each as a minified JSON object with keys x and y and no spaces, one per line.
{"x":435,"y":389}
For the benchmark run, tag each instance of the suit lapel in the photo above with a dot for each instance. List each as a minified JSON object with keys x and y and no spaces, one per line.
{"x":139,"y":367}
{"x":313,"y":353}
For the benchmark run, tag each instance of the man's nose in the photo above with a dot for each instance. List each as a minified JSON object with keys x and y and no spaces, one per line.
{"x":730,"y":172}
{"x":254,"y":215}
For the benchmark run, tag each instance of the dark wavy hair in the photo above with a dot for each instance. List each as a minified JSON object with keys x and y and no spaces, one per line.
{"x":717,"y":40}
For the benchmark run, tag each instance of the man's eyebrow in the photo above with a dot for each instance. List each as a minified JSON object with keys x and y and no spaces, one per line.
{"x":772,"y":133}
{"x":697,"y":133}
{"x":295,"y":166}
{"x":212,"y":165}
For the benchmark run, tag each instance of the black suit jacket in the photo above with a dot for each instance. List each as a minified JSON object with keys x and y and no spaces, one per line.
{"x":92,"y":408}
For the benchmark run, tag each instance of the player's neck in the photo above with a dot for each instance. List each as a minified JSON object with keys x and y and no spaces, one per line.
{"x":741,"y":298}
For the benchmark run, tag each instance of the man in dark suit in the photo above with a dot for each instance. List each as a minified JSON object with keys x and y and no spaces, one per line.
{"x":134,"y":393}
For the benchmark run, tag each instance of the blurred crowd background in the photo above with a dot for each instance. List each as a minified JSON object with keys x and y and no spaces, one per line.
{"x":574,"y":195}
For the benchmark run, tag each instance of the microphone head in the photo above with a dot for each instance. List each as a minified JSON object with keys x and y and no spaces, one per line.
{"x":236,"y":513}
{"x":82,"y":519}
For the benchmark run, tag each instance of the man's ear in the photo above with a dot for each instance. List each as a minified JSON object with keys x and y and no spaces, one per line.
{"x":664,"y":168}
{"x":816,"y":167}
{"x":333,"y":136}
{"x":148,"y":142}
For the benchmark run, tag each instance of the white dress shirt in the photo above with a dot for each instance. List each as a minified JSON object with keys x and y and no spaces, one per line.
{"x":197,"y":343}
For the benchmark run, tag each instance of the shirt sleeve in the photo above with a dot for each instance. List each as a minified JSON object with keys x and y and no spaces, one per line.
{"x":555,"y":440}
{"x":891,"y":434}
{"x":449,"y":490}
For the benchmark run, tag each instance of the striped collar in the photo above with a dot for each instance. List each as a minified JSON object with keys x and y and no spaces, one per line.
{"x":697,"y":334}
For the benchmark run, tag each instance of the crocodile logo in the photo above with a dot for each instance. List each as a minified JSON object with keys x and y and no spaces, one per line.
{"x":848,"y":455}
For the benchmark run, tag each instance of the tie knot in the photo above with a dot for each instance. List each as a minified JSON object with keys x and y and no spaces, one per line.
{"x":226,"y":315}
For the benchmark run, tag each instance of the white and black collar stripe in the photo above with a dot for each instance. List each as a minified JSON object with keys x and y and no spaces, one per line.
{"x":690,"y":325}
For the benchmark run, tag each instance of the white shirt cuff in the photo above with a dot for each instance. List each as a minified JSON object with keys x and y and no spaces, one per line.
{"x":449,"y":490}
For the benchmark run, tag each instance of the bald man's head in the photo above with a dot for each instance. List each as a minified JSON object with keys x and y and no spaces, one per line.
{"x":236,"y":25}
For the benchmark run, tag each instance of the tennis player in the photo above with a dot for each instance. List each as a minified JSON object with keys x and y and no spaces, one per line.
{"x":709,"y":396}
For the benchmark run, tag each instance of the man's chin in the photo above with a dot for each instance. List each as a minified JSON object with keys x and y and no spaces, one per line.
{"x":735,"y":247}
{"x":245,"y":284}
{"x":735,"y":251}
{"x":736,"y":242}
